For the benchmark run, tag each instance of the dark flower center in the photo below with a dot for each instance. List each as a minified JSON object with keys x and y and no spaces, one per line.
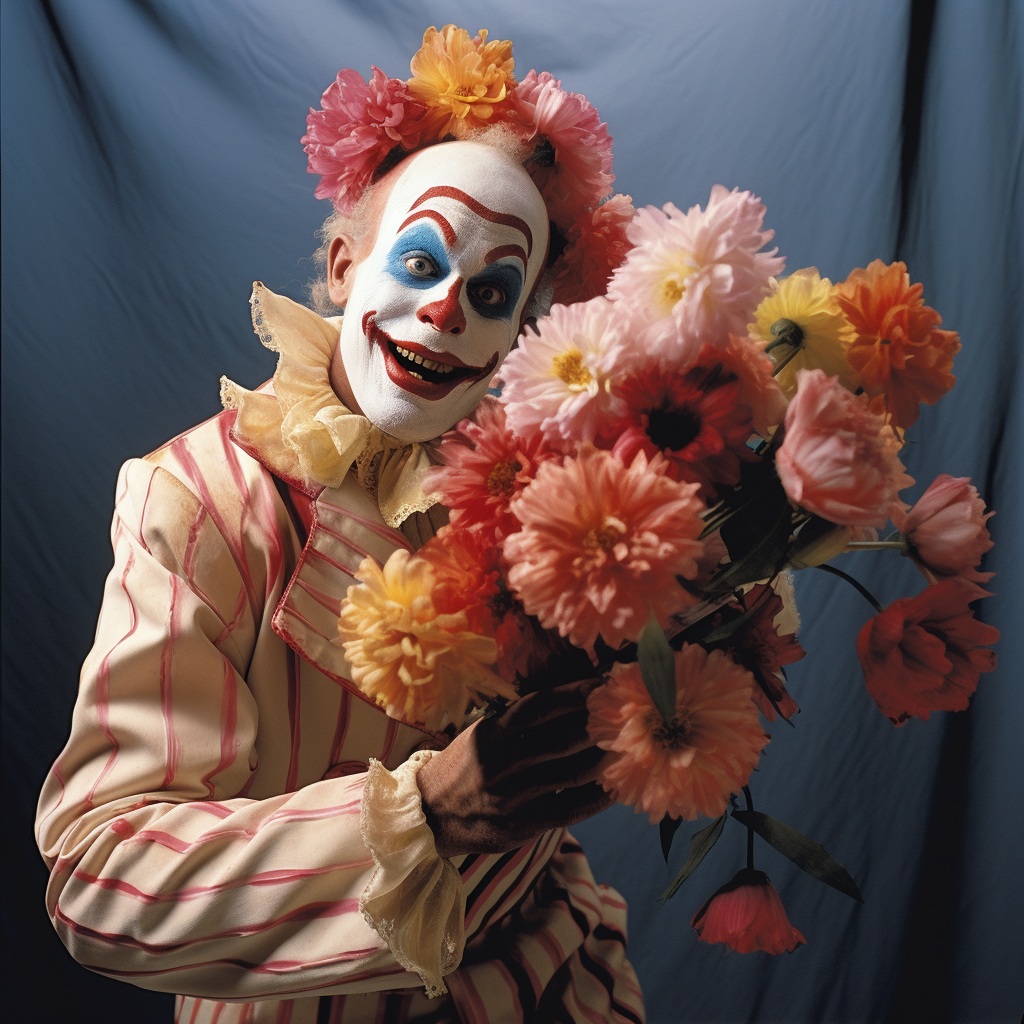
{"x":673,"y":429}
{"x":672,"y":734}
{"x":503,"y":477}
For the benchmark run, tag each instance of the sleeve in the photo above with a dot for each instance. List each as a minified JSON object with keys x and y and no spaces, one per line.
{"x":163,"y":872}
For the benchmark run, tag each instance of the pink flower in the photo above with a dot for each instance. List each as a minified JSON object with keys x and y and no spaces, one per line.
{"x":693,"y":278}
{"x":602,"y":544}
{"x":946,"y":529}
{"x":694,"y":418}
{"x":558,"y":380}
{"x":759,"y":390}
{"x":578,"y":174}
{"x":484,"y":466}
{"x":839,"y":460}
{"x":690,"y":765}
{"x":747,"y":914}
{"x":597,"y":245}
{"x":360,"y":123}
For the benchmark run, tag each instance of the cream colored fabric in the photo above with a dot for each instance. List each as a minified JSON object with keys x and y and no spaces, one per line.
{"x":414,"y":900}
{"x":304,"y":432}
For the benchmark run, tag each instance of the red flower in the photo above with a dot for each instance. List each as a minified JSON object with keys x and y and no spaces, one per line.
{"x":925,"y":653}
{"x":747,"y":914}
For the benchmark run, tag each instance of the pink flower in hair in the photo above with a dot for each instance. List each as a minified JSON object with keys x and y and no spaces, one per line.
{"x":597,"y":245}
{"x":839,"y":460}
{"x":360,"y":123}
{"x":694,"y":277}
{"x":602,"y":544}
{"x":578,"y":174}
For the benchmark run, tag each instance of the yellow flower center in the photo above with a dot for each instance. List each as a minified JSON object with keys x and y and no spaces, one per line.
{"x":673,"y":284}
{"x":503,"y":477}
{"x":568,"y":367}
{"x":606,"y":537}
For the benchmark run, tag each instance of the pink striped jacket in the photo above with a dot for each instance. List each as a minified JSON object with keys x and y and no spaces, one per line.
{"x":201,"y":825}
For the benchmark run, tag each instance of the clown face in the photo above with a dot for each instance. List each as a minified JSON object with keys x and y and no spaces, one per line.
{"x":436,"y":305}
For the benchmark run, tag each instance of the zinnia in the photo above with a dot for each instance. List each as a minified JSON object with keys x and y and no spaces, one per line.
{"x":898,"y":349}
{"x":462,"y":82}
{"x":946,"y":529}
{"x":410,"y":645}
{"x":839,"y":460}
{"x":747,"y":914}
{"x":695,"y":277}
{"x":359,"y":125}
{"x":925,"y":653}
{"x":690,"y":765}
{"x":602,"y":544}
{"x":805,"y":300}
{"x":559,"y":379}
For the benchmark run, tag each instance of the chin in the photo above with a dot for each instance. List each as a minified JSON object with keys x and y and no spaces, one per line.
{"x":410,"y":418}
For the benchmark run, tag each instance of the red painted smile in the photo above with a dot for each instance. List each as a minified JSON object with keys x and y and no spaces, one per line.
{"x":421,"y":371}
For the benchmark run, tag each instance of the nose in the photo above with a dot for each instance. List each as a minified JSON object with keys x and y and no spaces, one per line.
{"x":446,"y":314}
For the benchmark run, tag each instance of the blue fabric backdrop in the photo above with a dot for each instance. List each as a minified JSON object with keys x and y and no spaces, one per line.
{"x":151,"y":171}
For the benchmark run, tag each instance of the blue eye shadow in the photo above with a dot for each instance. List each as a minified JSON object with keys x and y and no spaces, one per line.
{"x":420,"y":238}
{"x":504,"y":276}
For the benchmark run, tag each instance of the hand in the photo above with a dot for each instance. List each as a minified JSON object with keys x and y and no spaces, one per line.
{"x":509,"y":778}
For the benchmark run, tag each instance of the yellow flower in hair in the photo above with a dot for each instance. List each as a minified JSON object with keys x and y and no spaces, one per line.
{"x":460,"y":80}
{"x":408,"y":635}
{"x":802,"y":325}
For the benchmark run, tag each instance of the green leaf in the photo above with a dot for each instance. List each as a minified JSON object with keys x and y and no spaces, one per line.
{"x":658,"y":669}
{"x":669,"y":826}
{"x":805,"y":853}
{"x":700,"y":843}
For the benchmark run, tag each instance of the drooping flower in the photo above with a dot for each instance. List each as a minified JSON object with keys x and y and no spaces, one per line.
{"x":360,"y":123}
{"x":484,"y":466}
{"x":462,"y":82}
{"x":806,"y":301}
{"x":410,"y":645}
{"x":747,"y":915}
{"x":694,"y":418}
{"x":558,"y":380}
{"x":597,"y":243}
{"x":839,"y":460}
{"x":925,"y":653}
{"x":946,"y":529}
{"x":574,"y":170}
{"x":693,"y":278}
{"x":898,"y":349}
{"x":690,"y":765}
{"x":601,"y":545}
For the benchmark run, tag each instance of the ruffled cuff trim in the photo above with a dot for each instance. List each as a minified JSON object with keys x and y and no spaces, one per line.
{"x":414,"y":899}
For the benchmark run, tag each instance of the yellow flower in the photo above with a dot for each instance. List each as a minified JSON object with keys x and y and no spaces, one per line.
{"x":460,"y":79}
{"x":422,"y":665}
{"x":806,"y":300}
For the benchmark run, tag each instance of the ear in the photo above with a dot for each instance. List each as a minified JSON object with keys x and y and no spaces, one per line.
{"x":341,"y":266}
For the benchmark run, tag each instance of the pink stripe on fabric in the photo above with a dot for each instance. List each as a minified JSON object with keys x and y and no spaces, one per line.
{"x":189,"y":561}
{"x":284,"y":1012}
{"x":314,"y":814}
{"x":341,"y":726}
{"x":173,"y":744}
{"x":348,"y":542}
{"x":236,"y":617}
{"x":216,"y":809}
{"x":217,"y":1012}
{"x":513,"y":988}
{"x":509,"y":869}
{"x":332,"y":604}
{"x":229,"y":742}
{"x":294,"y":720}
{"x":394,"y":536}
{"x":390,"y":737}
{"x":469,"y":995}
{"x":195,"y":1010}
{"x":347,"y":570}
{"x":523,"y":960}
{"x":142,"y":513}
{"x":591,"y":1014}
{"x":290,"y":610}
{"x":552,"y":947}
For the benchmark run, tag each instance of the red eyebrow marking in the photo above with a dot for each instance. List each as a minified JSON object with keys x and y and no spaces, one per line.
{"x":506,"y":250}
{"x":450,"y":192}
{"x":446,"y":229}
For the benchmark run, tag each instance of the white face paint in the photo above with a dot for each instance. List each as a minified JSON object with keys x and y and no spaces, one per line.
{"x":435,"y":307}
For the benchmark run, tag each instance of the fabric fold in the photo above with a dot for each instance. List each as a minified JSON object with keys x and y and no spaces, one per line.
{"x":414,"y":899}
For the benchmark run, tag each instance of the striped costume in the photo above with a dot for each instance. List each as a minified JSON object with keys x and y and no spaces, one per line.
{"x":202,"y":823}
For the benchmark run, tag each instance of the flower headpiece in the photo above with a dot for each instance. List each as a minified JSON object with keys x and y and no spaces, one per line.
{"x":459,"y":88}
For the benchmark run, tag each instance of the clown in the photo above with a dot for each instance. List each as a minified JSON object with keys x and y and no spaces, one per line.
{"x":232,"y":820}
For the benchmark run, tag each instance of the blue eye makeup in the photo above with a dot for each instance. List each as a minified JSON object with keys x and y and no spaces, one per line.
{"x":414,"y":251}
{"x":484,"y":289}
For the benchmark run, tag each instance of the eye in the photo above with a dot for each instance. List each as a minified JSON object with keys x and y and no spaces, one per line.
{"x":420,"y":265}
{"x":489,"y":294}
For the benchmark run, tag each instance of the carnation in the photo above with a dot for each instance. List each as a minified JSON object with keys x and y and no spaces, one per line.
{"x":693,"y":278}
{"x":602,"y":544}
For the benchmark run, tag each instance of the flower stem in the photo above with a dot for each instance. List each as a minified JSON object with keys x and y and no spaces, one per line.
{"x":865,"y":593}
{"x":750,"y":831}
{"x":876,"y":545}
{"x":792,"y":355}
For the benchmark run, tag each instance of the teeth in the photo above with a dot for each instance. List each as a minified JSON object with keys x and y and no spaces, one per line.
{"x":427,"y":364}
{"x":413,"y":373}
{"x":417,"y":359}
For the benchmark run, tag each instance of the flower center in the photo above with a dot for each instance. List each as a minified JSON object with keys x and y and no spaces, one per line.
{"x":568,"y":367}
{"x":672,"y":734}
{"x":673,"y":429}
{"x":674,"y":284}
{"x":503,"y":477}
{"x":606,"y":536}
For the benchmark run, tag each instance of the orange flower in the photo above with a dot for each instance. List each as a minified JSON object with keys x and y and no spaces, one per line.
{"x":410,"y":636}
{"x":925,"y":653}
{"x":462,"y":81}
{"x":688,"y":766}
{"x":747,"y":915}
{"x":898,"y":350}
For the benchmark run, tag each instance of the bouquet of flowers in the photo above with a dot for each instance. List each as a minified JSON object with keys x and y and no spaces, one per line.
{"x":659,"y":459}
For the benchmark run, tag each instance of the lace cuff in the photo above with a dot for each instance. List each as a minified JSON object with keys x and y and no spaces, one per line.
{"x":414,"y":899}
